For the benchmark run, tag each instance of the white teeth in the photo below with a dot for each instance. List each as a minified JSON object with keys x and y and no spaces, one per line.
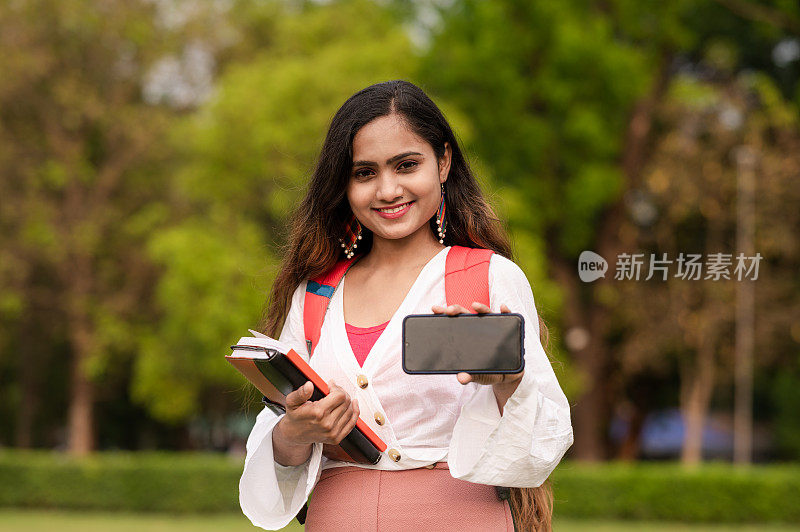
{"x":396,"y":209}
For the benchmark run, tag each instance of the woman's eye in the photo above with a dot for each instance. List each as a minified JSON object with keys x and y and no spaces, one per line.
{"x":364,"y":172}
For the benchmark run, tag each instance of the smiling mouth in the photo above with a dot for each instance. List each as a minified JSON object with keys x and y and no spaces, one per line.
{"x":397,"y":208}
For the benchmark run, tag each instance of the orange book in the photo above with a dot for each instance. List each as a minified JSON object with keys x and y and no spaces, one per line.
{"x":277,"y":370}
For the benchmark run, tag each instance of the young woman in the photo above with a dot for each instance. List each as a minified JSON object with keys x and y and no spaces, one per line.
{"x":392,"y":188}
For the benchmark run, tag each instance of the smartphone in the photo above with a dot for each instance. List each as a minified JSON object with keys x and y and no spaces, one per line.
{"x":475,"y":343}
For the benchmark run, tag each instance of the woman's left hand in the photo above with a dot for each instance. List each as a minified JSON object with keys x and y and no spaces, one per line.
{"x":505,"y":383}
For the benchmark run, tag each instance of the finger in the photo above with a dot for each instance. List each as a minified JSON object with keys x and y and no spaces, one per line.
{"x":452,"y":310}
{"x":504,"y":308}
{"x":340,"y":419}
{"x":346,"y":427}
{"x":480,"y":307}
{"x":485,"y":378}
{"x":336,"y":416}
{"x":336,"y":397}
{"x":351,"y":423}
{"x":480,"y":378}
{"x":437,"y":309}
{"x":300,"y":395}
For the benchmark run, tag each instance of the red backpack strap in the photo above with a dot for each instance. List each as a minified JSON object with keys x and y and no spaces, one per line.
{"x":466,"y":279}
{"x":466,"y":276}
{"x":318,"y":296}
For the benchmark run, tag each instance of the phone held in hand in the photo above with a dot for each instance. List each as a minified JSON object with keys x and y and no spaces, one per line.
{"x":473,"y":343}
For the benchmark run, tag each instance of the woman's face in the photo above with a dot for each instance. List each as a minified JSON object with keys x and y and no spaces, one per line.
{"x":392,"y":166}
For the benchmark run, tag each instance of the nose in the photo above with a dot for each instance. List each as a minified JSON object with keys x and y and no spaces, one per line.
{"x":389,"y":187}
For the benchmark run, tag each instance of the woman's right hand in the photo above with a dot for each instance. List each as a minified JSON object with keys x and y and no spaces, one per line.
{"x":306,"y":422}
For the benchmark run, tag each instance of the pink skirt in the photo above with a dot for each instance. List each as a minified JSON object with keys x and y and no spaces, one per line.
{"x":355,"y":499}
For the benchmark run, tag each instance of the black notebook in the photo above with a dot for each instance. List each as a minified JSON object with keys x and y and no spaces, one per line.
{"x":277,"y":370}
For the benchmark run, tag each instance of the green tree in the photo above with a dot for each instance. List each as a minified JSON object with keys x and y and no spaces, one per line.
{"x":244,"y":158}
{"x":691,"y":183}
{"x":563,"y":97}
{"x":80,"y":151}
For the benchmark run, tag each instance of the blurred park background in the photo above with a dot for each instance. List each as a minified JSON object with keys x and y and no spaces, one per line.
{"x":151,"y":150}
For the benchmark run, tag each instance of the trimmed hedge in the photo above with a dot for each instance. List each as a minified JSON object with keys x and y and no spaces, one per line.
{"x":138,"y":482}
{"x":712,"y":492}
{"x":203,"y":482}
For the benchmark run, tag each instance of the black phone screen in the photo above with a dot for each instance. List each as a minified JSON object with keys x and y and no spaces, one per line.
{"x":475,"y":343}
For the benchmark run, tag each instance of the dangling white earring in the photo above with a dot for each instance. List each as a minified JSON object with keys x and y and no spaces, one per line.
{"x":352,"y":237}
{"x":441,"y":223}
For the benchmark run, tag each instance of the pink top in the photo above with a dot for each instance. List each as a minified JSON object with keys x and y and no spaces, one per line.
{"x":362,"y":339}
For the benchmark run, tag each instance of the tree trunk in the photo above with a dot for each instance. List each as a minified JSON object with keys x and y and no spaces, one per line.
{"x":81,"y":404}
{"x":696,"y":397}
{"x":640,"y":405}
{"x":745,"y":302}
{"x":592,"y":410}
{"x":629,"y":448}
{"x":30,"y":396}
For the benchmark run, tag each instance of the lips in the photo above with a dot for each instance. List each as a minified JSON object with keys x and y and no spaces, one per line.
{"x":394,"y":206}
{"x":403,"y":208}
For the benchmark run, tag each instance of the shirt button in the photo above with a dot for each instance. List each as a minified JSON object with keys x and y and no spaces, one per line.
{"x":394,"y":455}
{"x":379,"y":419}
{"x":362,"y":381}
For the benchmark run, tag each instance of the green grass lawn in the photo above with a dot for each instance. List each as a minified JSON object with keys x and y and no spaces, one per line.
{"x":68,"y":521}
{"x":62,"y":521}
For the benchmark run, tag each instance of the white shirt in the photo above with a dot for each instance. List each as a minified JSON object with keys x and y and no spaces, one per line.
{"x":428,"y":418}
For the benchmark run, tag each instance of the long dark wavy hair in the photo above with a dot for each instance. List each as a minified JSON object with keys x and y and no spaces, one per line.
{"x":320,"y":218}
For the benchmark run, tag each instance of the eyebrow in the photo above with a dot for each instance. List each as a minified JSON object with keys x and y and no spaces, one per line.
{"x":388,"y":161}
